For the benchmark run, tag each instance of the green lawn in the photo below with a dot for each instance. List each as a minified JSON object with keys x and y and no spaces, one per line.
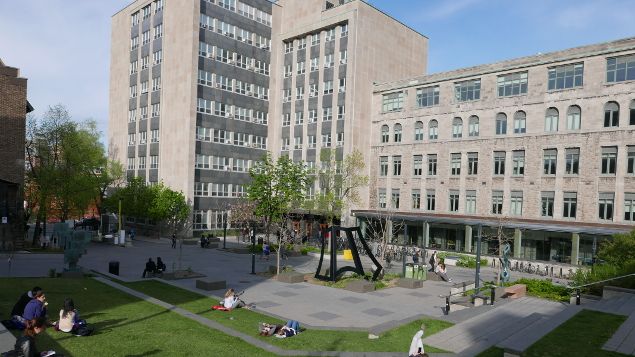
{"x":124,"y":324}
{"x":583,"y":335}
{"x":247,"y":321}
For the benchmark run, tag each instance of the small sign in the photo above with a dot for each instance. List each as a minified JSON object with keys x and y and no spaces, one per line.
{"x":4,"y":220}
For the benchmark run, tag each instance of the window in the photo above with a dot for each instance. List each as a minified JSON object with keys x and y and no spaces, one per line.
{"x":383,"y":166}
{"x":454,"y":201}
{"x":499,"y":162}
{"x":326,"y":140}
{"x":134,"y":18}
{"x":516,"y":203}
{"x":549,"y":160}
{"x":315,"y":39}
{"x":572,"y":161}
{"x":328,"y":60}
{"x":385,"y":134}
{"x":343,"y":57}
{"x":312,"y":115}
{"x":551,"y":120}
{"x":328,"y":87}
{"x":156,"y":110}
{"x":512,"y":84}
{"x":520,"y":122}
{"x":286,"y":94}
{"x":501,"y":124}
{"x":299,"y":118}
{"x":606,"y":203}
{"x":417,"y":165}
{"x":203,"y":134}
{"x":497,"y":202}
{"x":433,"y":130}
{"x":630,"y":160}
{"x":297,"y":143}
{"x":200,"y":219}
{"x":301,"y":43}
{"x":142,"y":163}
{"x":344,"y":30}
{"x":427,"y":97}
{"x":573,"y":117}
{"x":327,"y":114}
{"x":285,"y":144}
{"x":342,"y":85}
{"x":467,"y":90}
{"x":154,"y":161}
{"x":472,"y":163}
{"x":222,"y":136}
{"x":132,"y":115}
{"x":609,"y":160}
{"x":392,"y":102}
{"x":418,"y":131}
{"x":131,"y":165}
{"x":131,"y":139}
{"x":457,"y":128}
{"x":330,"y":35}
{"x":397,"y":132}
{"x":620,"y":69}
{"x":470,"y":201}
{"x":396,"y":165}
{"x":394,"y":199}
{"x":286,"y":119}
{"x":340,"y":140}
{"x":156,"y":83}
{"x":144,"y":113}
{"x":416,"y":199}
{"x":300,"y":67}
{"x":288,"y":47}
{"x":133,"y":91}
{"x":158,"y":5}
{"x":134,"y":43}
{"x":312,"y":140}
{"x":455,"y":164}
{"x":134,"y":66}
{"x":287,"y":71}
{"x":157,"y":57}
{"x":315,"y":62}
{"x":472,"y":128}
{"x":430,"y":200}
{"x":144,"y":87}
{"x":432,"y":164}
{"x":567,"y":76}
{"x":632,"y":118}
{"x":299,"y":93}
{"x":629,"y":207}
{"x":382,"y":197}
{"x":313,"y":90}
{"x":611,"y":115}
{"x":570,"y":203}
{"x":518,"y":162}
{"x":546,"y":203}
{"x":158,"y":31}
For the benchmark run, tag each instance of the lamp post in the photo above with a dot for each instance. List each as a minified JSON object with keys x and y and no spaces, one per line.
{"x":477,"y":278}
{"x":253,"y":250}
{"x":224,"y":229}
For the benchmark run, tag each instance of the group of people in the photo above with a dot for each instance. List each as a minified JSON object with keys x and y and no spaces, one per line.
{"x":205,"y":241}
{"x":31,"y":315}
{"x":153,"y":268}
{"x":438,"y":267}
{"x":290,"y":329}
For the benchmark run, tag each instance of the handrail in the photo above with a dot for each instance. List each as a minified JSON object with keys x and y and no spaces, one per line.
{"x":598,"y":282}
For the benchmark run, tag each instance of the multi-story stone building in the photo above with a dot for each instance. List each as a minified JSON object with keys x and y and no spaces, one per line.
{"x":201,"y":89}
{"x":541,"y":146}
{"x":13,"y":109}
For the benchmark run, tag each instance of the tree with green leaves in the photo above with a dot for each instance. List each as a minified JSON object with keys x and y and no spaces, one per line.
{"x":275,"y":189}
{"x":136,"y":199}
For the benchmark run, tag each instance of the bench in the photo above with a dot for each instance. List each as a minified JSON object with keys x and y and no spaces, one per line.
{"x":291,"y":277}
{"x":208,"y":284}
{"x":409,"y":283}
{"x":516,"y":291}
{"x":480,"y":300}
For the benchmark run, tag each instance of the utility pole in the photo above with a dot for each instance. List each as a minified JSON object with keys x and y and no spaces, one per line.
{"x":477,"y":278}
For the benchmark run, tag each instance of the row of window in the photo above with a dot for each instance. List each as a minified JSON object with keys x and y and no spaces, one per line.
{"x":245,"y":10}
{"x":222,"y":163}
{"x":327,"y":115}
{"x":204,"y":219}
{"x":145,"y":12}
{"x":231,"y":111}
{"x":156,"y":85}
{"x":146,"y":37}
{"x":329,"y":62}
{"x":143,"y":137}
{"x":208,"y":189}
{"x":569,"y":203}
{"x":618,"y":69}
{"x":608,"y":164}
{"x":329,"y":35}
{"x":143,"y":112}
{"x":233,"y":58}
{"x":233,"y":31}
{"x":232,"y":85}
{"x":222,"y":136}
{"x":312,"y":141}
{"x":154,"y":162}
{"x":551,"y":123}
{"x":327,"y":88}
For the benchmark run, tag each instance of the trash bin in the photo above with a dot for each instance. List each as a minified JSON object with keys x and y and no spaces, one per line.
{"x":419,"y":272}
{"x":409,"y":271}
{"x":113,"y":268}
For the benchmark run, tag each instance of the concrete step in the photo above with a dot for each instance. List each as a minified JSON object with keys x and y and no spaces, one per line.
{"x":625,"y":333}
{"x":519,"y":342}
{"x":622,"y":305}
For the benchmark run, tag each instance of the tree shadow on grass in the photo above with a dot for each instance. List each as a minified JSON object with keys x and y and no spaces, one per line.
{"x":148,"y":353}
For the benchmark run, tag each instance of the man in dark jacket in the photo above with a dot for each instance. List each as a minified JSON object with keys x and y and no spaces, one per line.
{"x":19,"y":306}
{"x":151,"y":267}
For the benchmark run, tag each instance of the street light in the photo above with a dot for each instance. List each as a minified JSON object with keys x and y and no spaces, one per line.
{"x":224,"y":228}
{"x":253,"y":250}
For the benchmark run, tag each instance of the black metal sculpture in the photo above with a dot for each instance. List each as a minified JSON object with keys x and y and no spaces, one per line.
{"x":333,"y":272}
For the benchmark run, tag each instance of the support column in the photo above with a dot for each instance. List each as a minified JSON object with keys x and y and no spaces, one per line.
{"x":362,"y":226}
{"x":426,"y":234}
{"x":518,"y":237}
{"x":388,"y":233}
{"x":468,"y":239}
{"x":575,"y":248}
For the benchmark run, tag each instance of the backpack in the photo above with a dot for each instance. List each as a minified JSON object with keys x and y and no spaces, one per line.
{"x":82,"y":330}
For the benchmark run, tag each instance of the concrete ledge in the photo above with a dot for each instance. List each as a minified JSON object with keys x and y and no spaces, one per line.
{"x":409,"y":283}
{"x":461,"y":287}
{"x":207,"y":284}
{"x":480,"y":300}
{"x":614,"y":292}
{"x":360,"y":286}
{"x":291,"y":277}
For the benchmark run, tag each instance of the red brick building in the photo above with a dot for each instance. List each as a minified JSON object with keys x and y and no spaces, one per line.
{"x":13,"y":109}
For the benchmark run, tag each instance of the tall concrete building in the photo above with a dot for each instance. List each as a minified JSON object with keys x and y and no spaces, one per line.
{"x":13,"y":109}
{"x":542,"y":147}
{"x":201,"y":89}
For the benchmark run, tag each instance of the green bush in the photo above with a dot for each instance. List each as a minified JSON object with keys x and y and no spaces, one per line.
{"x":467,"y":261}
{"x":544,"y":289}
{"x":605,"y":272}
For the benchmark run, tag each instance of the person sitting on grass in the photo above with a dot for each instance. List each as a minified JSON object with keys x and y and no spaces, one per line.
{"x":160,"y":266}
{"x":416,"y":346}
{"x":25,"y":344}
{"x":70,"y":322}
{"x":291,"y":329}
{"x":232,"y":301}
{"x":36,"y":307}
{"x":18,"y":309}
{"x":151,"y":268}
{"x":443,"y":273}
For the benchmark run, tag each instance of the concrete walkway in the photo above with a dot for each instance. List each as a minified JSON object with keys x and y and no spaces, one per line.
{"x":247,"y":338}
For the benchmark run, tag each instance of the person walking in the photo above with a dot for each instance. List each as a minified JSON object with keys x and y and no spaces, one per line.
{"x":415,"y":257}
{"x":434,"y":261}
{"x":174,"y":240}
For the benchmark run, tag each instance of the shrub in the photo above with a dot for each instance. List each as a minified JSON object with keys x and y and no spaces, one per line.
{"x":467,"y":261}
{"x":544,"y":289}
{"x":605,"y":272}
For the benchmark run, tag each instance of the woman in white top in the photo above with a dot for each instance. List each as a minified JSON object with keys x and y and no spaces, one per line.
{"x":68,"y":316}
{"x":416,"y":346}
{"x":232,"y":301}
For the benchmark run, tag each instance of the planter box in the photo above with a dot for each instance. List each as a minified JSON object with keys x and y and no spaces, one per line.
{"x":291,"y":278}
{"x":409,"y":283}
{"x":360,"y":286}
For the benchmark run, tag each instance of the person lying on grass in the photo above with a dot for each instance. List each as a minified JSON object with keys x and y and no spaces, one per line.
{"x":292,"y":328}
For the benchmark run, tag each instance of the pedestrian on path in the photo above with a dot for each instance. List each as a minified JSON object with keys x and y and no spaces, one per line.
{"x":434,"y":261}
{"x":174,"y":240}
{"x":416,"y":346}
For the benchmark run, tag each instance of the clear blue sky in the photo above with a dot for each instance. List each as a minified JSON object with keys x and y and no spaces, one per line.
{"x":62,"y":46}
